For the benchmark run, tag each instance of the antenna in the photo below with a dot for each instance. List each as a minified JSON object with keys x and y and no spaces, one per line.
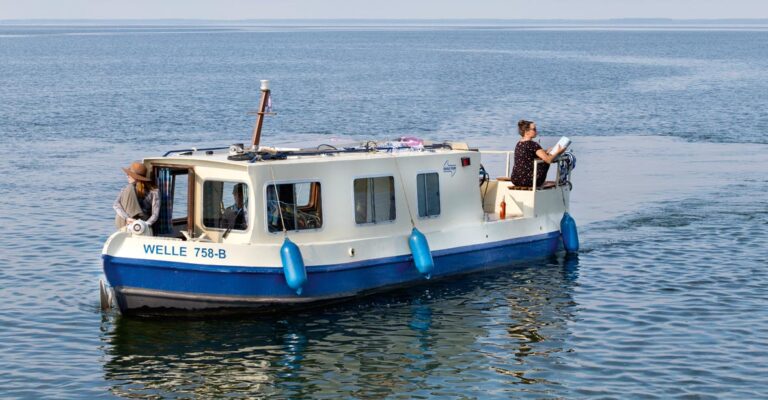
{"x":265,"y":100}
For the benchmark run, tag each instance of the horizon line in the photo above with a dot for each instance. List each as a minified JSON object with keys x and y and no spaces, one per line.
{"x":528,"y":20}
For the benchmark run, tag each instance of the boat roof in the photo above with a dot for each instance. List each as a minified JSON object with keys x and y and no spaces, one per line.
{"x":236,"y":154}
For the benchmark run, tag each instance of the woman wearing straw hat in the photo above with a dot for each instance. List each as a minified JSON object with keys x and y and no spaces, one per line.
{"x":139,"y":199}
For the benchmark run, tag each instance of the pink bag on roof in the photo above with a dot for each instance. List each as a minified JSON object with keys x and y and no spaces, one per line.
{"x":411,"y":141}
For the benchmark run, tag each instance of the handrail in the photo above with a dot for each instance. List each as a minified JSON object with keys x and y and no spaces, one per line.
{"x":192,"y":150}
{"x":509,"y":153}
{"x":314,"y":152}
{"x":556,"y":161}
{"x":536,"y":162}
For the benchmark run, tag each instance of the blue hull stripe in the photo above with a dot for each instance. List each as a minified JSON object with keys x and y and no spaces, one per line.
{"x":323,"y":280}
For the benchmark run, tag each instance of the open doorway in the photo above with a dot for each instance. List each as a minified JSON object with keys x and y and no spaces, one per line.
{"x":176,"y":185}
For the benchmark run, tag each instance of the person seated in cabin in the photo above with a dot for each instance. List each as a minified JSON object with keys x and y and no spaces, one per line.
{"x":140,"y":199}
{"x":236,"y":215}
{"x":526,"y":152}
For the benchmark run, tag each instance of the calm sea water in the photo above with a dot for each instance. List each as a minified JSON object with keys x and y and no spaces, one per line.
{"x":667,"y":299}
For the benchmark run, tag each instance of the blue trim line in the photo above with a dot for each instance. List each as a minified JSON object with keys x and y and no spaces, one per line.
{"x":162,"y":264}
{"x":321,"y":268}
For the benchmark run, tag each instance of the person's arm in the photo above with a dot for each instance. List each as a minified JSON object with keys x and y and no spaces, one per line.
{"x":155,"y":207}
{"x":548,"y":158}
{"x":119,"y":208}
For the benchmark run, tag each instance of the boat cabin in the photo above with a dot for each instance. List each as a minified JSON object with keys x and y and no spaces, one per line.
{"x":327,"y":194}
{"x":211,"y":195}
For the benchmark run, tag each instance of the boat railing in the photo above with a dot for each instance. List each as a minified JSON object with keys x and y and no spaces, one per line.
{"x":508,"y":165}
{"x":508,"y":153}
{"x":322,"y":149}
{"x":192,"y":150}
{"x":518,"y":201}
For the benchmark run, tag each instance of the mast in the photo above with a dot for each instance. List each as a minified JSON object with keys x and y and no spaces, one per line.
{"x":265,"y":93}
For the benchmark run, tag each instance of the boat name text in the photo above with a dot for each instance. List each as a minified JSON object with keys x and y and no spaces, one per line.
{"x":182,"y":251}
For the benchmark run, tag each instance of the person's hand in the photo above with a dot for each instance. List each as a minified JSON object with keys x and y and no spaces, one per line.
{"x":129,"y":221}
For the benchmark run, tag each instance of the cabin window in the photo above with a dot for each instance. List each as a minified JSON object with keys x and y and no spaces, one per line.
{"x":299,"y":207}
{"x":428,"y":192}
{"x":176,"y":188}
{"x":374,"y":199}
{"x":225,"y":205}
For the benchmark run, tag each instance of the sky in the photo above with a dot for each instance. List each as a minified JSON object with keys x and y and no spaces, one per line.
{"x":381,"y":9}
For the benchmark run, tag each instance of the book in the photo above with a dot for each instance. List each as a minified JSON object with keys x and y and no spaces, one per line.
{"x":564,"y":142}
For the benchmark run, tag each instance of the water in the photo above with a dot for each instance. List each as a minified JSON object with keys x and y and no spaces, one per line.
{"x":667,"y":298}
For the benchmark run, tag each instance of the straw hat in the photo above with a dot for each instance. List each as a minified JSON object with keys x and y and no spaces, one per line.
{"x":137,"y":171}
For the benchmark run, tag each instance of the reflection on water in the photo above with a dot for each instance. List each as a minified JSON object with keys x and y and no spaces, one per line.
{"x":490,"y":331}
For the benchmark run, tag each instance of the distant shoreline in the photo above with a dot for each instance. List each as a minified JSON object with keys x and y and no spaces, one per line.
{"x":621,"y":22}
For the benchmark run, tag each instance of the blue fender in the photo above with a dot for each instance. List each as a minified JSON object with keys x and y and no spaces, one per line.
{"x":293,"y":266}
{"x":570,"y":234}
{"x":422,"y":257}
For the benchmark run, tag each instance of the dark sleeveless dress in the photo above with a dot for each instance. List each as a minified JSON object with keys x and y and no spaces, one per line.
{"x":522,"y":172}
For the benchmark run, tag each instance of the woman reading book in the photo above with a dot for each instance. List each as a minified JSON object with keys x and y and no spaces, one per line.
{"x":526,"y":152}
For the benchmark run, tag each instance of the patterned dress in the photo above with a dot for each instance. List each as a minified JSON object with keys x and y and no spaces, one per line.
{"x":522,"y":172}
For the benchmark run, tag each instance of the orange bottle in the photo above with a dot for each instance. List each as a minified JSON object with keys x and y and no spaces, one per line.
{"x":503,"y":211}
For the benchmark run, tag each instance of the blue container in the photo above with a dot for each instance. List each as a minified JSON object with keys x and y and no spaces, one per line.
{"x":293,"y":266}
{"x":570,"y":234}
{"x":422,"y":257}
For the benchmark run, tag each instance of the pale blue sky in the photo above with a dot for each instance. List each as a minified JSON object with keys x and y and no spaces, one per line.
{"x":423,"y":9}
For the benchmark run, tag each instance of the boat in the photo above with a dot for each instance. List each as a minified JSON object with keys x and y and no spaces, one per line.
{"x":261,"y":229}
